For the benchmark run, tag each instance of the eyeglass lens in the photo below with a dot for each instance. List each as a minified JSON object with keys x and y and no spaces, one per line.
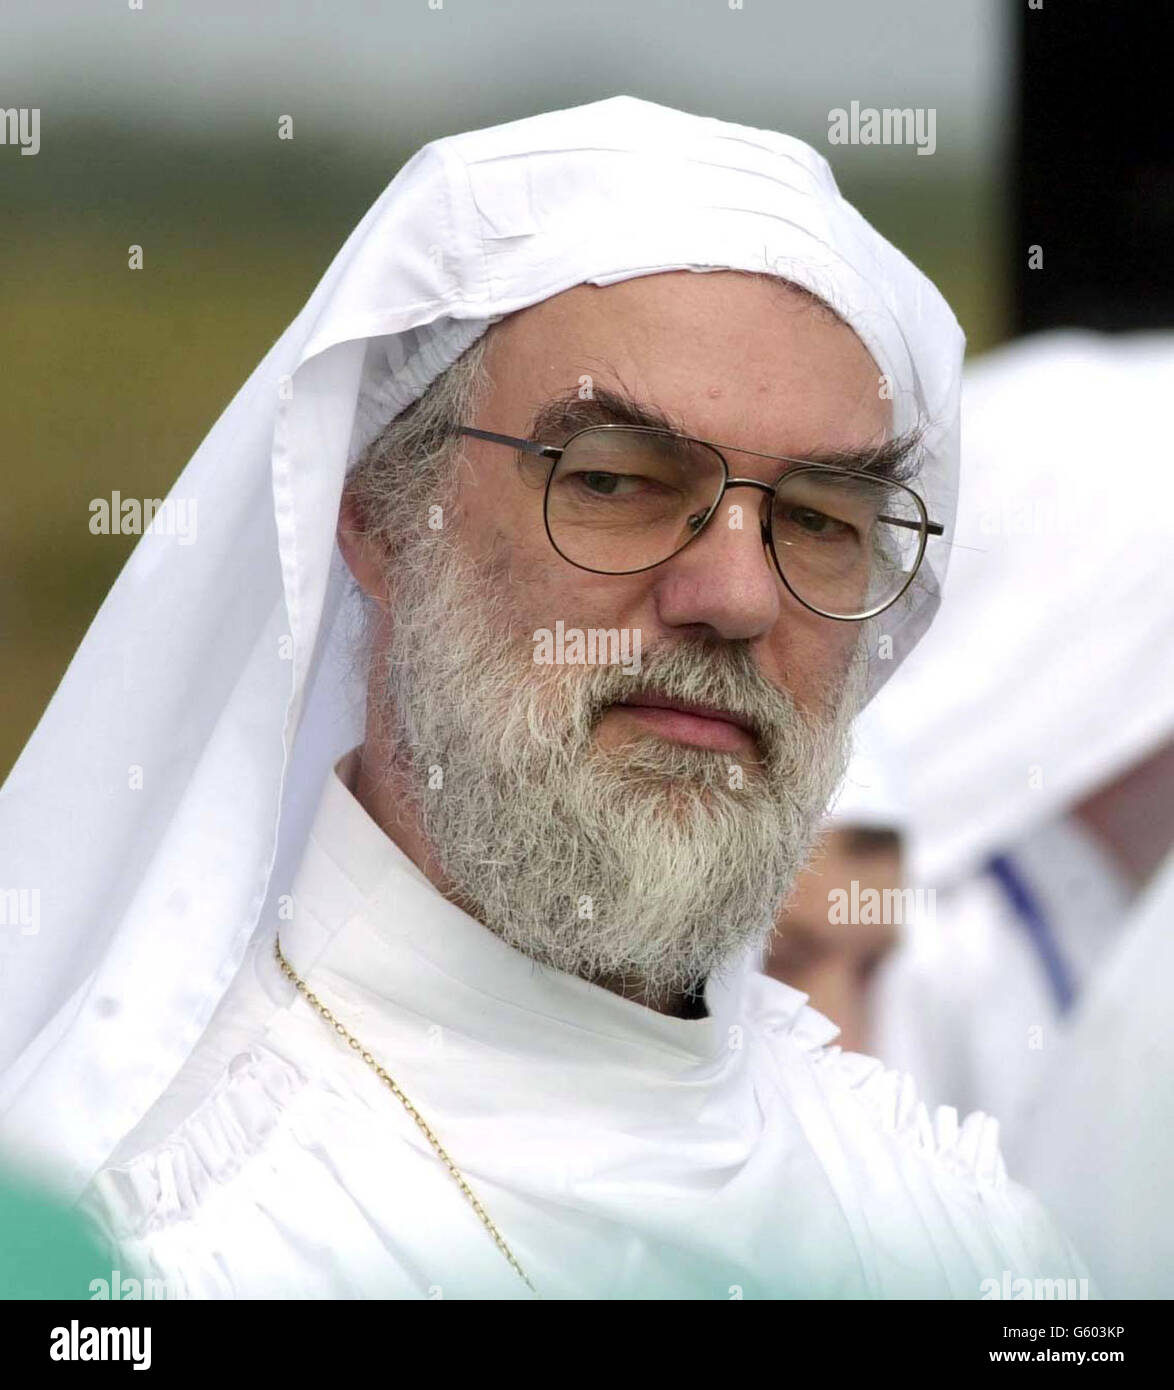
{"x":622,"y":500}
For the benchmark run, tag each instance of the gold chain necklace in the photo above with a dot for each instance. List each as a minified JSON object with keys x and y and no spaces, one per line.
{"x":353,"y":1042}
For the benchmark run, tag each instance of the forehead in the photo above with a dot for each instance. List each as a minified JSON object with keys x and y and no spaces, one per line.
{"x":741,"y":359}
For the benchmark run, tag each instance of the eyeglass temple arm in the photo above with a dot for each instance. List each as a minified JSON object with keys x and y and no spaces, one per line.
{"x":547,"y":451}
{"x":552,"y":451}
{"x":932,"y":528}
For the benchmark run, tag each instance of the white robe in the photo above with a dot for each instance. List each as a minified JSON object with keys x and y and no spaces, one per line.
{"x":968,"y":1004}
{"x":620,"y":1152}
{"x":1098,"y":1143}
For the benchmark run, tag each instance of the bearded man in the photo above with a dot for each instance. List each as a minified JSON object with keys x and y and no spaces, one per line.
{"x":473,"y":1009}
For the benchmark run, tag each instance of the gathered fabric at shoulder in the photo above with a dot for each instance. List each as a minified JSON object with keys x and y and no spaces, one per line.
{"x":168,"y":1182}
{"x":967,"y":1149}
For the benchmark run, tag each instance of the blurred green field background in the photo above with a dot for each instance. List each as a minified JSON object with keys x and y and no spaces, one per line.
{"x":111,"y":377}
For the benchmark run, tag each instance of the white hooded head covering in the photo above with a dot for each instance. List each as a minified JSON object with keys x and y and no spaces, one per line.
{"x":162,"y":804}
{"x":872,"y":795}
{"x":1051,"y":669}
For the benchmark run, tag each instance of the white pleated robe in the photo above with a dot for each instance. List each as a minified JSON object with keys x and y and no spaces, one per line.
{"x":620,"y":1153}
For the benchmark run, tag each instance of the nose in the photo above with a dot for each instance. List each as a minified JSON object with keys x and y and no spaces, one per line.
{"x":725,"y":580}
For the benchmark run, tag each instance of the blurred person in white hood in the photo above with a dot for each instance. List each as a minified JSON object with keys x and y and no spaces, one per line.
{"x":1034,"y":724}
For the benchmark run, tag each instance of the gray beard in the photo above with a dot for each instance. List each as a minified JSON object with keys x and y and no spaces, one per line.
{"x":650,"y":866}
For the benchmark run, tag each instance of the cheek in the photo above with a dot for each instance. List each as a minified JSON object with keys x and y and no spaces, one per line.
{"x":809,"y":656}
{"x":542,"y":586}
{"x":498,"y":521}
{"x":539,"y":588}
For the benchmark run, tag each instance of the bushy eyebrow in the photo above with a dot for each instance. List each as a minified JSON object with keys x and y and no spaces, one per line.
{"x":558,"y":418}
{"x":897,"y":460}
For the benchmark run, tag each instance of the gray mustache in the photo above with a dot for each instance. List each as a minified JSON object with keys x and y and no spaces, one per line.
{"x":721,"y":677}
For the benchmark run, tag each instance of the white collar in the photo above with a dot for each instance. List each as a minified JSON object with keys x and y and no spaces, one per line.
{"x":366,"y":916}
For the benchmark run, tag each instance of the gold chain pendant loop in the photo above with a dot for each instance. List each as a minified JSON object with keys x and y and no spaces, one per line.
{"x":357,"y":1046}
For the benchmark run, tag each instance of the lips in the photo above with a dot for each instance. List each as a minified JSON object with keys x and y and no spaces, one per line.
{"x":740,"y":721}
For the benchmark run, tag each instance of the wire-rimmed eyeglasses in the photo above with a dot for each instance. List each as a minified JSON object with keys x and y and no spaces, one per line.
{"x":621,"y":499}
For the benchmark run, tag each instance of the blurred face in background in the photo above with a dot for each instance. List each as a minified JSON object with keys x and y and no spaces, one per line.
{"x":834,"y":962}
